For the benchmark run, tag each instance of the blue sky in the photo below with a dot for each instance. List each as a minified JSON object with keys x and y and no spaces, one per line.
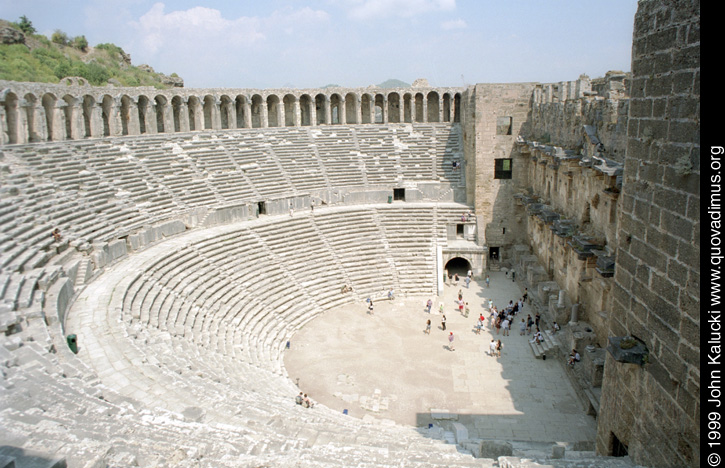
{"x":312,"y":43}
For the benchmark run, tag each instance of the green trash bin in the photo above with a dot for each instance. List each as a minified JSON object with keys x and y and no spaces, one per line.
{"x":390,"y":199}
{"x":72,"y":343}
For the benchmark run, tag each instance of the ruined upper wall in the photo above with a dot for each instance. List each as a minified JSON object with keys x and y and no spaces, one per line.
{"x":560,"y":112}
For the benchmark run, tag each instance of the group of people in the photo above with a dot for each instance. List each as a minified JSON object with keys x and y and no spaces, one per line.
{"x":304,"y":400}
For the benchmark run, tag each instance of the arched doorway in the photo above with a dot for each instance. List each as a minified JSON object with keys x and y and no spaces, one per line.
{"x":458,"y":265}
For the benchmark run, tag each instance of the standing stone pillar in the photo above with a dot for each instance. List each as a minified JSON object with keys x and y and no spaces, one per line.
{"x":58,"y":132}
{"x":384,"y":109}
{"x":280,"y":114}
{"x":21,"y":122}
{"x":40,"y":123}
{"x":425,"y":108}
{"x":342,"y":117}
{"x":115,"y":126}
{"x":328,"y":111}
{"x":96,"y":120}
{"x":4,"y":138}
{"x":358,"y":109}
{"x":151,"y":127}
{"x":230,"y":111}
{"x":197,"y":113}
{"x":183,"y":116}
{"x":246,"y":114}
{"x":264,"y":117}
{"x":441,"y":108}
{"x":134,"y":124}
{"x":167,"y":115}
{"x":313,"y":113}
{"x":216,"y":118}
{"x":297,"y":110}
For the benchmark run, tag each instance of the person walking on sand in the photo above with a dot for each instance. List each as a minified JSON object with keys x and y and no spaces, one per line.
{"x":427,"y":327}
{"x":450,"y":342}
{"x":443,"y":323}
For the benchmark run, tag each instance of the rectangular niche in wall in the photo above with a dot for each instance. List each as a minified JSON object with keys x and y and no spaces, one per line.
{"x":399,"y":194}
{"x":503,"y":125}
{"x":502,"y":168}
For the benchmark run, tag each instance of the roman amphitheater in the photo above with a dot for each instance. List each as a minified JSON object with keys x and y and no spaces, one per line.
{"x":217,"y":248}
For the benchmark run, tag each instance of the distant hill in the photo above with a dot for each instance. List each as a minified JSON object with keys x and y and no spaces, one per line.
{"x":26,"y":56}
{"x":392,"y":83}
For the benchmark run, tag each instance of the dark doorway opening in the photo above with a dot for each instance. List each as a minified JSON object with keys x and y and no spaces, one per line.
{"x":261,"y":208}
{"x":399,"y":194}
{"x":493,"y":253}
{"x":459,"y":230}
{"x":458,"y":265}
{"x":618,"y":448}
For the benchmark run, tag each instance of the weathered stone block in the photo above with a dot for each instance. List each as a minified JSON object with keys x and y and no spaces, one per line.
{"x":494,"y":449}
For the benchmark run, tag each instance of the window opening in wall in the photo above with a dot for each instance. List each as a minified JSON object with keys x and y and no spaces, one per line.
{"x":618,"y":448}
{"x":493,"y":253}
{"x":399,"y":194}
{"x":459,"y":230}
{"x":504,"y":231}
{"x":502,"y":168}
{"x":503,"y":125}
{"x":261,"y":208}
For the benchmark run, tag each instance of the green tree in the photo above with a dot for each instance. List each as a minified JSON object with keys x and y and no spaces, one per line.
{"x":25,"y":25}
{"x":59,"y":37}
{"x":80,"y":43}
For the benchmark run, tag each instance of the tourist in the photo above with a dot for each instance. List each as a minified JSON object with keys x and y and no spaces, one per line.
{"x":538,"y":319}
{"x":429,"y":304}
{"x":555,"y":328}
{"x":492,"y":348}
{"x":521,"y":304}
{"x":468,"y":281}
{"x":505,"y":325}
{"x":455,"y":279}
{"x":56,"y":235}
{"x":513,"y":275}
{"x":499,"y":347}
{"x":291,"y":209}
{"x":299,"y":399}
{"x":498,"y":325}
{"x":526,"y":294}
{"x":307,"y":402}
{"x":450,"y":342}
{"x":466,"y":311}
{"x":427,"y":327}
{"x":573,"y":358}
{"x":529,"y":324}
{"x":522,"y":327}
{"x":537,"y":337}
{"x":461,"y":304}
{"x":488,"y":282}
{"x":370,"y":307}
{"x":460,"y":295}
{"x":443,"y":323}
{"x":470,"y":274}
{"x":390,"y":294}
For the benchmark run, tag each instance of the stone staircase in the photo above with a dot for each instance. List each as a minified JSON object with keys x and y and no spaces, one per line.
{"x":549,"y":347}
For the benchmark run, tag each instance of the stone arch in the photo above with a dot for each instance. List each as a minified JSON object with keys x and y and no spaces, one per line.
{"x":366,"y":109}
{"x":10,"y":104}
{"x":226,"y":116}
{"x":195,"y":114}
{"x":30,"y":103}
{"x":273,"y":111}
{"x":394,"y":107}
{"x":457,"y":263}
{"x":70,"y":113}
{"x":241,"y":105}
{"x":209,"y":107}
{"x":49,"y":101}
{"x":305,"y":110}
{"x":143,"y":104}
{"x":160,"y":108}
{"x":457,"y":107}
{"x":433,"y":107}
{"x":351,"y":108}
{"x":407,"y":108}
{"x":126,"y":106}
{"x":379,"y":108}
{"x":419,"y":107}
{"x":88,"y":104}
{"x":290,"y":117}
{"x":321,"y":108}
{"x":335,"y":109}
{"x":257,"y":103}
{"x":446,"y":107}
{"x":177,"y":104}
{"x":106,"y":114}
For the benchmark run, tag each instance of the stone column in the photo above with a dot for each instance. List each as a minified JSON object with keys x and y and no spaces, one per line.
{"x":40,"y":123}
{"x":247,"y":117}
{"x":313,"y":113}
{"x":216,"y":118}
{"x":133,"y":124}
{"x":297,"y":113}
{"x":358,"y":109}
{"x":184,"y":116}
{"x":425,"y":108}
{"x":168,"y":117}
{"x":4,"y":137}
{"x":231,"y":112}
{"x":264,"y":117}
{"x":96,"y":120}
{"x":115,"y":126}
{"x":151,"y":127}
{"x":384,"y":106}
{"x":58,"y":120}
{"x":328,"y":113}
{"x":343,"y":112}
{"x":21,"y":122}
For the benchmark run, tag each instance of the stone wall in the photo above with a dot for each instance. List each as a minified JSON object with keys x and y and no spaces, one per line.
{"x":654,"y":409}
{"x":561,"y":110}
{"x":498,"y":114}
